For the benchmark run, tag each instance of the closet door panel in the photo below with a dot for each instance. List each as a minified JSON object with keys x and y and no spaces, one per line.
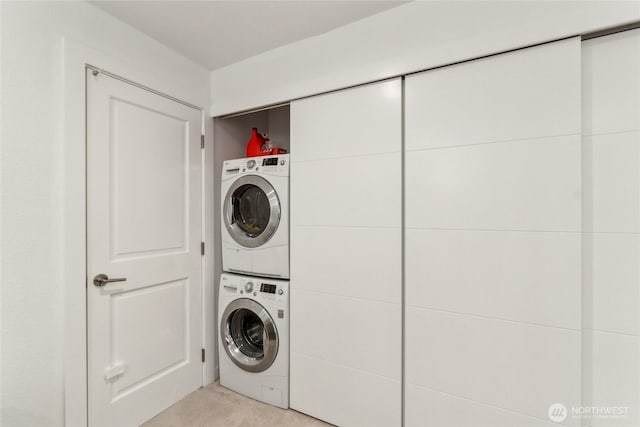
{"x":612,"y":166}
{"x":361,"y":399}
{"x":612,"y":369}
{"x":434,"y":408}
{"x":531,"y":185}
{"x":368,"y":123}
{"x":493,"y":195}
{"x":611,"y":256}
{"x":469,"y":356}
{"x":612,"y":282}
{"x":519,"y":273}
{"x":513,"y":96}
{"x":355,"y":324}
{"x":355,"y":278}
{"x":346,"y":210}
{"x":611,"y":83}
{"x":361,"y":191}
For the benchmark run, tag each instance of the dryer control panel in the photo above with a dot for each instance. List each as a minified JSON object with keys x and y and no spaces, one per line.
{"x":270,"y":165}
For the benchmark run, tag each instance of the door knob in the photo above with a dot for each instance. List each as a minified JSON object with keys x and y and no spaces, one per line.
{"x":102,"y":279}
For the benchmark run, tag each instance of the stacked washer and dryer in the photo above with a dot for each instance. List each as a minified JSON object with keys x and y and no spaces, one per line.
{"x":253,"y":308}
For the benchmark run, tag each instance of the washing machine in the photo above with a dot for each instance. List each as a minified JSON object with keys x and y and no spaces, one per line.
{"x":253,"y":315}
{"x":255,"y":216}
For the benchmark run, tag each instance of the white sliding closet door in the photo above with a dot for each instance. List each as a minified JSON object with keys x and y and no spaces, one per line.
{"x":346,"y":255}
{"x":611,"y":128}
{"x":493,"y":239}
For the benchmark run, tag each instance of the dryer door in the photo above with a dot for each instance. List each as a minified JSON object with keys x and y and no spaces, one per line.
{"x":251,"y":211}
{"x":249,"y":335}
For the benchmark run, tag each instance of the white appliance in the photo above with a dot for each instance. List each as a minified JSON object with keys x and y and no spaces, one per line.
{"x":255,"y":216}
{"x":253,"y":315}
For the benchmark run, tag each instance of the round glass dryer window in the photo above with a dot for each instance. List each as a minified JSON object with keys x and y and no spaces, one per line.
{"x":249,"y":335}
{"x":251,"y":211}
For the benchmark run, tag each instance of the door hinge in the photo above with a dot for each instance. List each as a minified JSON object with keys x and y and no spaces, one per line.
{"x":202,"y":141}
{"x":201,"y":248}
{"x":203,"y":355}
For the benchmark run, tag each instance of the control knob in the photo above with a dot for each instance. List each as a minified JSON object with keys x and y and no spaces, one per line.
{"x":248,"y":287}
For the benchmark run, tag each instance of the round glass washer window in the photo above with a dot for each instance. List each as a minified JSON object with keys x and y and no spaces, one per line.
{"x":247,"y":331}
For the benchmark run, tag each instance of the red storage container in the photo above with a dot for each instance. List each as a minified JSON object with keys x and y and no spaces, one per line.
{"x":254,"y":147}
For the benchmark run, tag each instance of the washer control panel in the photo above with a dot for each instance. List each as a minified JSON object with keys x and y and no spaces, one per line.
{"x":266,"y":289}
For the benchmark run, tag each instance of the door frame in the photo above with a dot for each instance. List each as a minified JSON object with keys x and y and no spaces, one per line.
{"x":76,"y":57}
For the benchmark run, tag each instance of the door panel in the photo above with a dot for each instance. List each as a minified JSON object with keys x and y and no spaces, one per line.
{"x":143,"y":224}
{"x":163,"y":333}
{"x":345,"y":338}
{"x":493,"y":189}
{"x":137,"y":176}
{"x":611,"y":224}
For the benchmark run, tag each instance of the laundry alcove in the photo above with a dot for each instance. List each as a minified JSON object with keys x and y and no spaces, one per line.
{"x":230,"y":137}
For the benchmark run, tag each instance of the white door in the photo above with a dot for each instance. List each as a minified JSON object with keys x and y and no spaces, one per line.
{"x":346,"y":245}
{"x":493,"y":240}
{"x":143,"y":225}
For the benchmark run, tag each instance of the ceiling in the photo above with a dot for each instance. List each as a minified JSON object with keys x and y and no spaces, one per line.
{"x":218,"y":33}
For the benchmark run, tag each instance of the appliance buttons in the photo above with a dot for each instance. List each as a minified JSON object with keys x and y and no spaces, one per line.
{"x":282,"y":162}
{"x":280,"y":292}
{"x":248,"y":287}
{"x":251,"y":164}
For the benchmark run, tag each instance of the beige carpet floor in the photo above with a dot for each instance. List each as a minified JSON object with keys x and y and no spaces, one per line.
{"x":214,"y":406}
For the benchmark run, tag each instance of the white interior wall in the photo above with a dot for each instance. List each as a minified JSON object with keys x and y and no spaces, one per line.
{"x":408,"y":38}
{"x":611,"y":215}
{"x":279,"y":123}
{"x":31,"y":178}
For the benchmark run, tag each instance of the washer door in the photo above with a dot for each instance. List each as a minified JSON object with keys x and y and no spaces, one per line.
{"x":251,"y":211}
{"x":249,"y":335}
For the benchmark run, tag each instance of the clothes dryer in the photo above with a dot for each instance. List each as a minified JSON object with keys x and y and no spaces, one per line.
{"x":255,"y":216}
